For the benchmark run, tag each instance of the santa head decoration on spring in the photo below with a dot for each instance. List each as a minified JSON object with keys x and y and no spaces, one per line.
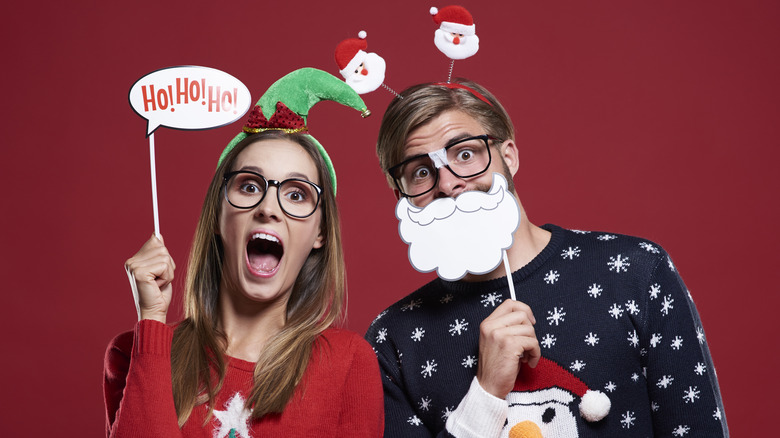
{"x":543,"y":403}
{"x":362,"y":71}
{"x":456,"y":36}
{"x":461,"y":235}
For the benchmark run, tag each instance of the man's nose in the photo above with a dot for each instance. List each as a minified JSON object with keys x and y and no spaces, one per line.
{"x":449,"y":184}
{"x":364,"y":72}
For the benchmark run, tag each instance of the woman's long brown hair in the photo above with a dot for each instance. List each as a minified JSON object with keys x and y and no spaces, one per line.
{"x":198,"y":361}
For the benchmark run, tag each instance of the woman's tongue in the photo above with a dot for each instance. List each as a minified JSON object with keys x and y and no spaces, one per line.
{"x":262,"y":261}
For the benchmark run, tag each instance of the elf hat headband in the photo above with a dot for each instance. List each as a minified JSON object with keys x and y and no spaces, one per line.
{"x":285,"y":107}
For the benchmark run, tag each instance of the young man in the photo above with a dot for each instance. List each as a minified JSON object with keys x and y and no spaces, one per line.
{"x":603,"y":340}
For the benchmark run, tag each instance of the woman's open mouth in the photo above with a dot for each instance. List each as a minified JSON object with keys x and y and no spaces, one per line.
{"x":263,"y":254}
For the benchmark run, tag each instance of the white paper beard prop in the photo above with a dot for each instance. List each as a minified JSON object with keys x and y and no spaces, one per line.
{"x":455,"y":236}
{"x":375,"y":66}
{"x":467,"y":46}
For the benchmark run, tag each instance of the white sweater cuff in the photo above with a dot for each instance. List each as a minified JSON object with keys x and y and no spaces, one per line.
{"x":479,"y":414}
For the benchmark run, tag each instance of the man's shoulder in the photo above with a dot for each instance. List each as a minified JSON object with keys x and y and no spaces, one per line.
{"x":607,"y":241}
{"x":414,"y":306}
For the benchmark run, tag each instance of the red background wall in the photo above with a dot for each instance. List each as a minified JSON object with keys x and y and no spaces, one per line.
{"x":657,"y":119}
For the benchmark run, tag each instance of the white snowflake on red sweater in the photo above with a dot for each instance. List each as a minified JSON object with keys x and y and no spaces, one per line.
{"x":235,"y":418}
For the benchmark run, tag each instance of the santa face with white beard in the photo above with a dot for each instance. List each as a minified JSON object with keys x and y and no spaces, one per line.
{"x":456,"y":36}
{"x":368,"y":75}
{"x":456,"y":236}
{"x":456,"y":45}
{"x":474,"y":213}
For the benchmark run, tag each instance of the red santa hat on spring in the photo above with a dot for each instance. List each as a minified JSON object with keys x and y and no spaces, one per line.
{"x":594,"y":405}
{"x":350,"y":53}
{"x":455,"y":19}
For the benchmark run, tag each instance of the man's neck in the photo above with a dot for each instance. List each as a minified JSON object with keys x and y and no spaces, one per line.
{"x":528,"y":241}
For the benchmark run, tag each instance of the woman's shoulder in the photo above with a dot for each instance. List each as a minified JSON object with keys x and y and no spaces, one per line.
{"x":344,"y":354}
{"x":345,"y":341}
{"x":341,"y":336}
{"x":121,"y":344}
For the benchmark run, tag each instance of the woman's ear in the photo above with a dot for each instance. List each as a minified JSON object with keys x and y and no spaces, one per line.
{"x":319,"y":241}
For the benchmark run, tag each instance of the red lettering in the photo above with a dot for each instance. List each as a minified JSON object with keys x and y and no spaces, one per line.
{"x":227,"y":101}
{"x":182,"y":91}
{"x":148,"y":99}
{"x":162,"y":99}
{"x":214,"y":99}
{"x":194,"y":90}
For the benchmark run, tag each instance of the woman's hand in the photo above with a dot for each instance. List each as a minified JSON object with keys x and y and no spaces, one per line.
{"x":150,"y":272}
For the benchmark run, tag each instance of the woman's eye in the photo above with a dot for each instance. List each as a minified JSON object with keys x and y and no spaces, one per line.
{"x":249,"y":188}
{"x":296,"y":196}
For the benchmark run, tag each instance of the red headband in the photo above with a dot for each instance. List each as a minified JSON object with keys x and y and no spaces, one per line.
{"x":476,"y":94}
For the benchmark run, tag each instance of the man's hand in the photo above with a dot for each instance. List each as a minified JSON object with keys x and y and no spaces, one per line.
{"x":506,"y":339}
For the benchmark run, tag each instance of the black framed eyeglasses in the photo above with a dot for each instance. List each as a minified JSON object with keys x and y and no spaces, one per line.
{"x":297,"y":197}
{"x":465,"y":158}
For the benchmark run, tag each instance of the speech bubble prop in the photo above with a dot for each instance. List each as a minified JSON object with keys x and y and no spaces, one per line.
{"x":186,"y":97}
{"x":466,"y":234}
{"x":189,"y":97}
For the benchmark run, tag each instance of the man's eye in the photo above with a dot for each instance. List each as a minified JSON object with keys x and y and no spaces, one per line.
{"x":421,"y":173}
{"x":465,"y":155}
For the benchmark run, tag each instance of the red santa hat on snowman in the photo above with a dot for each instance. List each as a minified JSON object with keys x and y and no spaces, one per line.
{"x":455,"y":19}
{"x":558,"y":384}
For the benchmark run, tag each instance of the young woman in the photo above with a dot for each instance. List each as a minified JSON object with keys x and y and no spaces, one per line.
{"x":256,"y":355}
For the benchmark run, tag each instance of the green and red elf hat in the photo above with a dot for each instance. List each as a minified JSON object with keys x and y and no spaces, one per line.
{"x":285,"y":107}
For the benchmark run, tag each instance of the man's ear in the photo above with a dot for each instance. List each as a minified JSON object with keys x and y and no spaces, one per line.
{"x":511,"y":155}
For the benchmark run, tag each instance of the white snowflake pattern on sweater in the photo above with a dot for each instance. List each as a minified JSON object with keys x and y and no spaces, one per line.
{"x":627,"y":339}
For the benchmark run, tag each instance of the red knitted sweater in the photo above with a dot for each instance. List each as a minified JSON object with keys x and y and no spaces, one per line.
{"x":341,"y":393}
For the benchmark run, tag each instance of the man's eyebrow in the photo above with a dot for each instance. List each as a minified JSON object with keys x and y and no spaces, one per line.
{"x":412,"y":157}
{"x":458,"y":138}
{"x":450,"y":142}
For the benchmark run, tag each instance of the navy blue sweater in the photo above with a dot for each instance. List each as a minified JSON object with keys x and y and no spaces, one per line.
{"x":611,"y":311}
